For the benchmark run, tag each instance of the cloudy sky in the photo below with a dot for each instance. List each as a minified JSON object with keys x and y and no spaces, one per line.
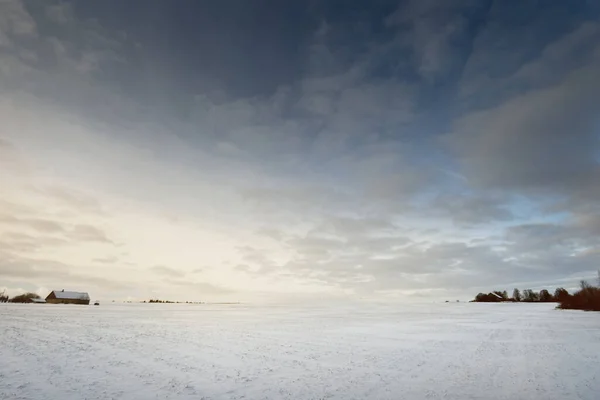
{"x":252,"y":150}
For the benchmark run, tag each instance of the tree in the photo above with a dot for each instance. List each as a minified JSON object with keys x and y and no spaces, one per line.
{"x":24,"y":298}
{"x":561,"y":294}
{"x":517,"y":295}
{"x":3,"y":297}
{"x":530,"y":296}
{"x":583,"y":284}
{"x":545,"y":296}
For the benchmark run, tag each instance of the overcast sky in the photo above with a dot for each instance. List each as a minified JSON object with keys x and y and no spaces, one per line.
{"x":252,"y":150}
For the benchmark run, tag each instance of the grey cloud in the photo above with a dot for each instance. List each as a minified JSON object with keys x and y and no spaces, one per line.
{"x":255,"y":261}
{"x":20,"y":243}
{"x":295,"y":201}
{"x":507,"y":59}
{"x":557,"y":58}
{"x":313,"y":246}
{"x":60,"y":13}
{"x":344,"y":234}
{"x":106,"y":260}
{"x":44,"y":225}
{"x":433,"y":31}
{"x":167,"y":271}
{"x":15,"y":268}
{"x":36,"y":224}
{"x":88,"y":233}
{"x":539,"y":254}
{"x":59,"y":66}
{"x":201,"y":288}
{"x":61,"y":230}
{"x":272,"y":233}
{"x":543,"y":139}
{"x":471,"y":209}
{"x":5,"y":145}
{"x":72,"y":199}
{"x":47,"y":272}
{"x":15,"y":21}
{"x":324,"y":247}
{"x":11,"y":160}
{"x":357,"y":226}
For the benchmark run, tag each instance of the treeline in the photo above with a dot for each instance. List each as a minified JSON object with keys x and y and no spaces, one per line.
{"x":586,"y":298}
{"x":171,"y":302}
{"x":21,"y":298}
{"x":527,"y":296}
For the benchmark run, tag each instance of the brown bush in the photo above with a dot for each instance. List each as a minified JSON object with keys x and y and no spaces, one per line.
{"x":587,"y":298}
{"x":24,"y":298}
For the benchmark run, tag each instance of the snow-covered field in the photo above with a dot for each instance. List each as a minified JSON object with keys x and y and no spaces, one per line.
{"x":438,"y":351}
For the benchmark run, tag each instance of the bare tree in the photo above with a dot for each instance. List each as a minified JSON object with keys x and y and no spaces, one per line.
{"x":530,"y":296}
{"x":583,"y":284}
{"x":517,"y":295}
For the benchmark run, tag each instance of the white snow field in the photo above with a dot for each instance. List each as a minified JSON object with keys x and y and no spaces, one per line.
{"x":438,"y":351}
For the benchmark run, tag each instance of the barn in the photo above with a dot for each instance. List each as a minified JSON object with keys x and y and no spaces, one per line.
{"x":62,"y":297}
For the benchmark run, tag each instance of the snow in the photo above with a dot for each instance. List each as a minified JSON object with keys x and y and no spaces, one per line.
{"x":167,"y":351}
{"x":61,"y":294}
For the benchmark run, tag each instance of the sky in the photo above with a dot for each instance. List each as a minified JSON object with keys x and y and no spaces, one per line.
{"x":310,"y":150}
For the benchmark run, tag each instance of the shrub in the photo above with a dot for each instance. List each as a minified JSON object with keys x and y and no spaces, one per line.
{"x":587,"y":298}
{"x":3,"y":297}
{"x":24,"y":298}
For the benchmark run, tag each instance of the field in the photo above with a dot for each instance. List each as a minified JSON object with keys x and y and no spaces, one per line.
{"x":437,"y":351}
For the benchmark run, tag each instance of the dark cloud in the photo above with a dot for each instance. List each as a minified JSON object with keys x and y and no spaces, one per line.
{"x":437,"y":33}
{"x":544,"y":139}
{"x":517,"y":35}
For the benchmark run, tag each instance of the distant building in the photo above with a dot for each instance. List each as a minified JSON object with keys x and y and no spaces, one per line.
{"x":38,"y":301}
{"x":62,"y":297}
